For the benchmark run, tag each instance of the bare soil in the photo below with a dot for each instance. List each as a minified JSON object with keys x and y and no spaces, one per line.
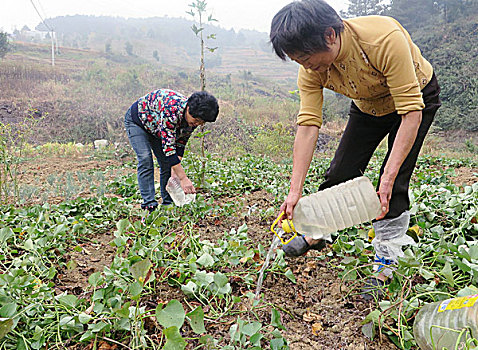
{"x":314,"y":310}
{"x":85,"y":259}
{"x":465,"y":176}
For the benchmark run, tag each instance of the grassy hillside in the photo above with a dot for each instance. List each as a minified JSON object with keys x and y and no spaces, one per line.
{"x":450,"y":45}
{"x":175,"y":43}
{"x":452,"y":48}
{"x":86,"y":94}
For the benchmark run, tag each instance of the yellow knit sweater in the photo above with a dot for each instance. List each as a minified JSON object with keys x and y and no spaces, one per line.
{"x":378,"y":66}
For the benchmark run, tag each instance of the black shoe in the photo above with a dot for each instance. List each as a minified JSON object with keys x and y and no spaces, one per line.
{"x":149,"y":208}
{"x":299,"y":246}
{"x":374,"y":288}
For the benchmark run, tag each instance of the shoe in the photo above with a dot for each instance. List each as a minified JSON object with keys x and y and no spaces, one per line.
{"x":149,"y":209}
{"x":374,"y":288}
{"x":299,"y":246}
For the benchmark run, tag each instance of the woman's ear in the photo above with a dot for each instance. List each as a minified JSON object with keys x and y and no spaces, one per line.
{"x":330,"y":36}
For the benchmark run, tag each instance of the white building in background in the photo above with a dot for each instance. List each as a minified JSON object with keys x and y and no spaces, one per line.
{"x":34,"y":34}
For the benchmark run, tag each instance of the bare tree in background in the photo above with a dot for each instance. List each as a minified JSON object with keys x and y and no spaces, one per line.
{"x":198,"y":9}
{"x":198,"y":12}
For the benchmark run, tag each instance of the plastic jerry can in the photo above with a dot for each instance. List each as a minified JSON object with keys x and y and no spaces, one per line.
{"x":447,"y":324}
{"x":333,"y":209}
{"x":177,"y":194}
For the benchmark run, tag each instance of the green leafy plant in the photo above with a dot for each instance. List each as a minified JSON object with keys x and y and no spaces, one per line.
{"x":5,"y":45}
{"x":13,"y":138}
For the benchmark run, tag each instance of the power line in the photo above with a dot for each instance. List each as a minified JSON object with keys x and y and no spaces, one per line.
{"x":39,"y":15}
{"x":42,"y":9}
{"x":51,"y":30}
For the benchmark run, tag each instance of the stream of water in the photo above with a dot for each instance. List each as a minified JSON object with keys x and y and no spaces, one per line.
{"x":270,"y":254}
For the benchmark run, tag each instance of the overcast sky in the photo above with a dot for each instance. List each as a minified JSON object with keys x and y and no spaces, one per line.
{"x":237,"y":14}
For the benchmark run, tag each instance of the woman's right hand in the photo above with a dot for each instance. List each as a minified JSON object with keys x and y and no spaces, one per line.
{"x":289,"y":204}
{"x":187,"y":186}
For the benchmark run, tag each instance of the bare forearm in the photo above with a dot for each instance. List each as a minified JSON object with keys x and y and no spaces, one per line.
{"x":178,"y":170}
{"x":304,"y":146}
{"x":173,"y":171}
{"x":404,"y":140}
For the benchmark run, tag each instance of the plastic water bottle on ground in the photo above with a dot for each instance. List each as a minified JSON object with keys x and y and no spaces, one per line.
{"x":447,"y":324}
{"x":333,"y":209}
{"x":177,"y":194}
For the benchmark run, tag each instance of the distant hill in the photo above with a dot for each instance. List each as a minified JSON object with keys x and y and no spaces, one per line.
{"x":449,"y":42}
{"x":175,"y":43}
{"x":452,"y":49}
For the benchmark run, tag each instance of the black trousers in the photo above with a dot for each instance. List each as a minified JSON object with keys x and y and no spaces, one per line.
{"x":363,"y":134}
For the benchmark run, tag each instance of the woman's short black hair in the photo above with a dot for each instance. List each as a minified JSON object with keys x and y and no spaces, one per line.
{"x":204,"y":106}
{"x":301,"y":26}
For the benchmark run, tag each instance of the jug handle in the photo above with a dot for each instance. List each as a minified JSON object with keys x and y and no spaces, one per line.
{"x":274,"y":231}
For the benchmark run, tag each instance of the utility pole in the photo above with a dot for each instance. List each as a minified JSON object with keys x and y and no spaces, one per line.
{"x":52,"y":49}
{"x":56,"y":44}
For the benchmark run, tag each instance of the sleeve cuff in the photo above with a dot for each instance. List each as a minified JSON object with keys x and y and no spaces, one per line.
{"x":179,"y":151}
{"x":308,"y":120}
{"x":173,"y":159}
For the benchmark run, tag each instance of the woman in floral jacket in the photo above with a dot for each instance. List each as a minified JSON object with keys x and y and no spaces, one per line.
{"x":163,"y":121}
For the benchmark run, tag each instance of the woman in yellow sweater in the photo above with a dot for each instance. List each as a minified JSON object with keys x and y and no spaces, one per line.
{"x":395,"y":94}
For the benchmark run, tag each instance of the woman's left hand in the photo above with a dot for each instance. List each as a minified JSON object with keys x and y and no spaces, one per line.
{"x":384,"y":193}
{"x":187,"y":186}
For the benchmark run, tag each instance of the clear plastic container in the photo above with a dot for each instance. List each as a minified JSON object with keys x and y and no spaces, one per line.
{"x":177,"y":194}
{"x":335,"y":208}
{"x":447,"y":324}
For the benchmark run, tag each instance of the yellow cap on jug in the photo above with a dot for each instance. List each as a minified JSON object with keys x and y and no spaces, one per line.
{"x":287,"y":227}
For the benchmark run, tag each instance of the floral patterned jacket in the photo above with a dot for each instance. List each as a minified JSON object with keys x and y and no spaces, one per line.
{"x":161,"y":113}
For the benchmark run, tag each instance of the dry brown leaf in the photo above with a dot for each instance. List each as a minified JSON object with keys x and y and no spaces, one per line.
{"x":301,"y":279}
{"x":150,"y":323}
{"x":90,"y":309}
{"x":300,"y":297}
{"x":310,"y":316}
{"x":311,"y":265}
{"x":105,"y":346}
{"x":317,"y":328}
{"x":148,"y":275}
